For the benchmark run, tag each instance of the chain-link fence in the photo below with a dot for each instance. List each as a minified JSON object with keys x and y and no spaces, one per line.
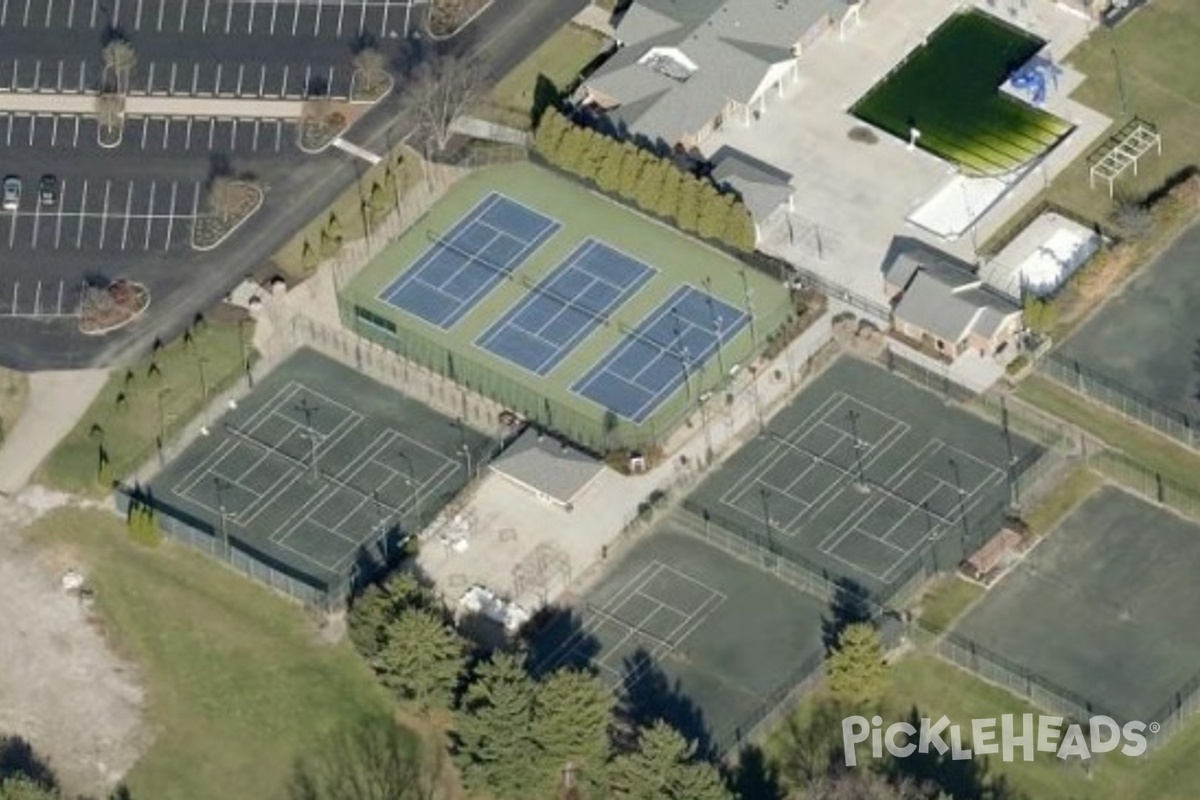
{"x":1021,"y":681}
{"x":1120,"y":398}
{"x":934,"y":381}
{"x":767,"y":714}
{"x":1147,"y":482}
{"x":237,"y":554}
{"x":1175,"y":713}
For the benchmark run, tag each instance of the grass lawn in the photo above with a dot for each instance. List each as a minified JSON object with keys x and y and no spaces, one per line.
{"x":238,"y":683}
{"x":1054,"y":507}
{"x":923,"y":682}
{"x":124,"y":420}
{"x":945,"y":600}
{"x":14,"y":388}
{"x":378,"y":187}
{"x":1156,"y":52}
{"x":560,"y":59}
{"x":1136,"y":441}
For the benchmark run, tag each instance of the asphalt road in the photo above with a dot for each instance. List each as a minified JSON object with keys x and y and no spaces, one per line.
{"x":125,"y":212}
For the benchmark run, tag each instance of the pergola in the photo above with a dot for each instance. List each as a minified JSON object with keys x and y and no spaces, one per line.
{"x":1123,"y":150}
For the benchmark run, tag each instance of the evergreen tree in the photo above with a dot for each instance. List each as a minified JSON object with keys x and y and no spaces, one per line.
{"x":423,"y":658}
{"x":668,"y":195}
{"x":550,"y":132}
{"x":855,"y":669}
{"x":631,"y":170}
{"x":593,"y":152}
{"x":714,"y":210}
{"x":572,"y":716}
{"x":608,"y":174}
{"x":739,"y":230}
{"x":494,"y":747}
{"x":664,"y":767}
{"x":650,"y":182}
{"x":687,"y":216}
{"x":376,"y":609}
{"x":18,"y":787}
{"x":570,"y":152}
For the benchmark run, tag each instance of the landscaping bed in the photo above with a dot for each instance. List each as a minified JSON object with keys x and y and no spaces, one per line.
{"x":107,"y":308}
{"x":238,"y":201}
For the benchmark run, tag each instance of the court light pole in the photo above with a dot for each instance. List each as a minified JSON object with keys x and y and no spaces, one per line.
{"x":414,"y":487}
{"x":466,"y":451}
{"x":766,"y":504}
{"x":305,"y":408}
{"x":861,"y":482}
{"x":162,"y":422}
{"x":245,"y":354}
{"x":962,"y":506}
{"x":749,"y":293}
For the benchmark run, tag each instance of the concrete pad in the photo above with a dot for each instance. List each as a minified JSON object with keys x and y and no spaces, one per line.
{"x":56,"y":402}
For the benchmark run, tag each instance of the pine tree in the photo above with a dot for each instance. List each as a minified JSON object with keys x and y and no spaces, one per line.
{"x":687,"y":215}
{"x":713,"y":211}
{"x":494,"y":746}
{"x":664,"y":767}
{"x":378,"y":607}
{"x":855,"y":669}
{"x":650,"y":182}
{"x":423,"y":658}
{"x":668,"y":196}
{"x":739,"y":232}
{"x":550,"y":132}
{"x":631,"y":170}
{"x":572,"y":715}
{"x":608,"y":174}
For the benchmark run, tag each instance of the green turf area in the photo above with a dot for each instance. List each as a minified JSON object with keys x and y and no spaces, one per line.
{"x":582,"y":214}
{"x":945,"y":600}
{"x":932,"y":687}
{"x":318,"y":471}
{"x":238,"y":682}
{"x":560,"y":60}
{"x":1155,"y":452}
{"x":949,"y":89}
{"x":1051,"y":509}
{"x":160,"y":394}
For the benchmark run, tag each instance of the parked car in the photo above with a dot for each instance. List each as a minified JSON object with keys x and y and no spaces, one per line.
{"x":48,"y":190}
{"x":11,"y":193}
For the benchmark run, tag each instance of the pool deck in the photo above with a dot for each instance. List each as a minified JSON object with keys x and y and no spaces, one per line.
{"x":852,"y":198}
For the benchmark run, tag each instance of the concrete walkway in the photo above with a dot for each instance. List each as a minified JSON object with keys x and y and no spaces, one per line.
{"x":56,"y":402}
{"x":144,"y":105}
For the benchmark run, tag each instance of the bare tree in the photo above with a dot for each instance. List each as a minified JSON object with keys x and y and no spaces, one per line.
{"x":372,"y":70}
{"x":109,"y":108}
{"x":441,"y":89}
{"x":120,"y":57}
{"x":224,"y":195}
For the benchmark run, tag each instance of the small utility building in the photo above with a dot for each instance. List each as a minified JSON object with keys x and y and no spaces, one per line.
{"x":551,"y":469}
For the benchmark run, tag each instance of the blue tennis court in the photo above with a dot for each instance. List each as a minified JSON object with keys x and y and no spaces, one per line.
{"x":460,"y":268}
{"x":650,"y":363}
{"x":565,"y":306}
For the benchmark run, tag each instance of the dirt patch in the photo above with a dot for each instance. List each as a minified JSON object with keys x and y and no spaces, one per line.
{"x":61,"y":687}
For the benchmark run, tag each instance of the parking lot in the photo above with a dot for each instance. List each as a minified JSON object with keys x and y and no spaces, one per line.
{"x":381,"y":18}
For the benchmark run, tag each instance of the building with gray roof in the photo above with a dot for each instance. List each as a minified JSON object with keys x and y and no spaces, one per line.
{"x":552,"y":469}
{"x":942,"y":302}
{"x":683,"y":67}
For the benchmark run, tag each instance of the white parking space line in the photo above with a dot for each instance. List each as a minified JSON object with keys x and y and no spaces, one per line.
{"x":174,"y":70}
{"x":162,"y":8}
{"x":128,"y":209}
{"x":49,"y":11}
{"x":362,"y":18}
{"x":8,"y":136}
{"x":317,"y":20}
{"x":187,"y":143}
{"x":13,"y":82}
{"x":150,"y":216}
{"x":295,"y":17}
{"x":204,"y":22}
{"x":58,"y":83}
{"x":82,"y":212}
{"x":171,"y":214}
{"x":278,"y":135}
{"x":341,"y":13}
{"x":37,"y":220}
{"x":82,"y":75}
{"x":104,"y":214}
{"x":217,"y":87}
{"x":150,"y":79}
{"x":283,"y":83}
{"x":71,"y":14}
{"x":228,"y":16}
{"x":58,"y":217}
{"x":262,"y":79}
{"x":383,"y":22}
{"x":54,"y":130}
{"x":137,"y":17}
{"x":274,"y":12}
{"x":182,"y":15}
{"x":254,"y":137}
{"x":212,"y":130}
{"x":116,"y":15}
{"x":75,"y":137}
{"x":233,"y":135}
{"x":92,"y":23}
{"x":250,"y":21}
{"x":4,"y":12}
{"x":241,"y":74}
{"x":145,"y":129}
{"x":166,"y":131}
{"x":307,"y":80}
{"x":32,"y":125}
{"x":196,"y":202}
{"x":195,"y":77}
{"x":12,"y":229}
{"x":25,"y":16}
